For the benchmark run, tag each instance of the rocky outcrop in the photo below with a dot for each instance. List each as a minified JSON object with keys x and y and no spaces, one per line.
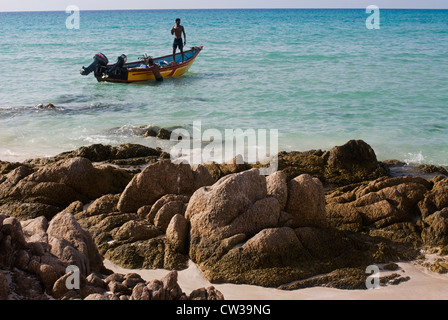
{"x":239,"y":234}
{"x":34,"y":261}
{"x":144,"y":227}
{"x":36,"y":256}
{"x":379,"y":203}
{"x":103,"y":153}
{"x":28,"y":194}
{"x":350,"y":163}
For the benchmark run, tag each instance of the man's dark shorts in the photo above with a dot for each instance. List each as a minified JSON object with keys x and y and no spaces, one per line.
{"x":178,"y":43}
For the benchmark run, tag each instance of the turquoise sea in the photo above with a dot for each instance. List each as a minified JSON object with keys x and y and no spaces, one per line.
{"x":318,"y":76}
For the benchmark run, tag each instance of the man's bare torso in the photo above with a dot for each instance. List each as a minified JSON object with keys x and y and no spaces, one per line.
{"x":178,"y":31}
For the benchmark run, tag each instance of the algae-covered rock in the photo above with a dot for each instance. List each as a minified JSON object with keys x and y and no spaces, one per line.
{"x":379,"y":203}
{"x":436,"y":199}
{"x":436,"y":231}
{"x":355,"y":161}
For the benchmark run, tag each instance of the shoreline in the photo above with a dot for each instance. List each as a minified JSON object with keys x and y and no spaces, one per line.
{"x":423,"y":285}
{"x":397,"y":167}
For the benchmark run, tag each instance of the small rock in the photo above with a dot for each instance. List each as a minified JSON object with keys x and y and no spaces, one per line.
{"x":164,"y":134}
{"x":96,"y":296}
{"x":391,"y":267}
{"x":95,"y":281}
{"x":210,"y":293}
{"x":140,"y":292}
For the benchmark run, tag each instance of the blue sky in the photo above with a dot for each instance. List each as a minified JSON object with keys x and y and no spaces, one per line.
{"x":58,"y":5}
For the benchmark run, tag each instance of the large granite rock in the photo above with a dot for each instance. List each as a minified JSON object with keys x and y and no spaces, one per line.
{"x":159,"y":179}
{"x":239,"y":234}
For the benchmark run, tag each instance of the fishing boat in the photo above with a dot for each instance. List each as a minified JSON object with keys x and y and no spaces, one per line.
{"x":136,"y":71}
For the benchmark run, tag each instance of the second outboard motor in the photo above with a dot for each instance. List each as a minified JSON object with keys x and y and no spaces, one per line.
{"x":121,"y":60}
{"x":99,"y":60}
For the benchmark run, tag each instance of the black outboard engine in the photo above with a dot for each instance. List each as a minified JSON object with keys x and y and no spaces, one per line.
{"x":99,"y":61}
{"x":117,"y":68}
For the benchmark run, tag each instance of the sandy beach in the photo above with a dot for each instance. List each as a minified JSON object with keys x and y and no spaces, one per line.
{"x":423,"y":285}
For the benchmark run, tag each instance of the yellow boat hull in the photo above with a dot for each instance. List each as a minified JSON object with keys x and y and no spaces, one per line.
{"x":171,"y":72}
{"x":133,"y":73}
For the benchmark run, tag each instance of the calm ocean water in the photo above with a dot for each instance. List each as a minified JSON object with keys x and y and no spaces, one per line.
{"x":318,"y":76}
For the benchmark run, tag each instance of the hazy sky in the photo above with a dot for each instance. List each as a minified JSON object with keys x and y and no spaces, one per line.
{"x":60,"y":5}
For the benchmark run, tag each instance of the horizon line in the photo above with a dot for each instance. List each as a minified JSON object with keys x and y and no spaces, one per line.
{"x":266,"y":8}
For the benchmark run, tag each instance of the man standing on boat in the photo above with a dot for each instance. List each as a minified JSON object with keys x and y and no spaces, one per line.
{"x":177,"y":30}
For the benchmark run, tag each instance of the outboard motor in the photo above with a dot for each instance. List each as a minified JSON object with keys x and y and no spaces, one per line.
{"x":99,"y":60}
{"x":116,"y":69}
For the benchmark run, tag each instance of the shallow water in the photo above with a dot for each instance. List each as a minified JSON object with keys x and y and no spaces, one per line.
{"x":318,"y":76}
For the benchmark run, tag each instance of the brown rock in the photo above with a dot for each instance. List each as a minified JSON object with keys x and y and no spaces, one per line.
{"x":294,"y":163}
{"x":379,"y":203}
{"x":12,"y":227}
{"x":232,"y":196}
{"x":135,"y":230}
{"x":133,"y":281}
{"x":60,"y":287}
{"x":167,"y":212}
{"x":65,"y":227}
{"x":201,"y":177}
{"x":353,"y":162}
{"x":277,"y":187}
{"x":117,"y":277}
{"x":48,"y":275}
{"x":61,"y":183}
{"x":306,"y":202}
{"x":155,"y":181}
{"x":177,"y":233}
{"x":104,"y":204}
{"x":12,"y":178}
{"x":157,"y":290}
{"x":277,"y":246}
{"x":96,"y":296}
{"x":436,"y":199}
{"x":436,"y":232}
{"x":35,"y":230}
{"x":166,"y":199}
{"x":172,"y":288}
{"x":117,"y":287}
{"x":140,"y":292}
{"x":95,"y":281}
{"x":25,"y":210}
{"x":210,"y":293}
{"x":344,"y":216}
